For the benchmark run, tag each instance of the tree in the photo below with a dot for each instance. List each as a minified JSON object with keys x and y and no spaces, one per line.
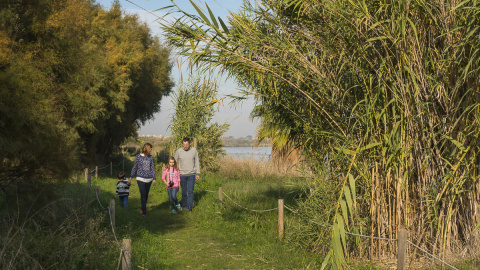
{"x":137,"y":77}
{"x":194,"y":101}
{"x":75,"y":81}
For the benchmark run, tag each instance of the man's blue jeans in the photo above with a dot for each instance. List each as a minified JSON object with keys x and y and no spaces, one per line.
{"x":123,"y":201}
{"x":172,"y":196}
{"x":187,"y":182}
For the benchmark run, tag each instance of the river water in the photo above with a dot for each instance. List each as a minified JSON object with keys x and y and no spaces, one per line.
{"x":258,"y":153}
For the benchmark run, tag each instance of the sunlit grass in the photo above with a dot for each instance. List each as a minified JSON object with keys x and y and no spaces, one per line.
{"x":213,"y":236}
{"x":210,"y":237}
{"x":221,"y":237}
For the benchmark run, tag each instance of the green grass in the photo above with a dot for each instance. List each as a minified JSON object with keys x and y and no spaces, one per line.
{"x":74,"y":232}
{"x":213,"y":236}
{"x":209,"y":237}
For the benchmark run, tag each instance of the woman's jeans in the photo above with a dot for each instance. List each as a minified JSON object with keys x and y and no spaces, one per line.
{"x":123,"y":201}
{"x":187,"y":182}
{"x":144,"y":188}
{"x":172,"y":196}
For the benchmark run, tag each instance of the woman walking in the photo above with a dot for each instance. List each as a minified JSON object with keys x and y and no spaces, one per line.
{"x":144,"y":169}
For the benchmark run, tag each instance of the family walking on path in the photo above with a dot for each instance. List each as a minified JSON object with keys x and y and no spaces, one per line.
{"x":181,"y":170}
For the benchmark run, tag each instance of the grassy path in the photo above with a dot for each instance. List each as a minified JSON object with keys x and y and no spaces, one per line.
{"x":209,"y":237}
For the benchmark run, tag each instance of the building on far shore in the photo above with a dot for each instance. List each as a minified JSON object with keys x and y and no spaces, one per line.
{"x":152,"y":136}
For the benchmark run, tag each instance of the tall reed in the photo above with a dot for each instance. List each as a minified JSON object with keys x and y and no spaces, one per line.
{"x":382,"y":96}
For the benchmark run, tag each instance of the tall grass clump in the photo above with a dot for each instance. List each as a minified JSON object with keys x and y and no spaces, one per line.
{"x":54,"y":226}
{"x":382,"y":96}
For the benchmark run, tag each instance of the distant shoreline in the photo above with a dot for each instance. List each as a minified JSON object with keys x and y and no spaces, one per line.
{"x":227,"y":142}
{"x":244,"y":144}
{"x":260,"y":153}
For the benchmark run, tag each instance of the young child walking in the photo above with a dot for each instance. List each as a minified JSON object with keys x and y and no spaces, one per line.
{"x":123,"y":190}
{"x":171,"y":178}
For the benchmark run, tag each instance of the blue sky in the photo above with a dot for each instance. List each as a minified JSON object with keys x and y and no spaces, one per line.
{"x":238,"y":116}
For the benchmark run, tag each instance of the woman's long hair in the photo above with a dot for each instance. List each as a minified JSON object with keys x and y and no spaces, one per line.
{"x":145,"y":148}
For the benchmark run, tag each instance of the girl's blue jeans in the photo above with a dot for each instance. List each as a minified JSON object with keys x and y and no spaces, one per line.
{"x":172,"y":196}
{"x":123,"y":201}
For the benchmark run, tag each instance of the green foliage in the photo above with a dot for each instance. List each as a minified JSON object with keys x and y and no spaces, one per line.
{"x":194,"y":110}
{"x":383,"y":97}
{"x":75,"y":81}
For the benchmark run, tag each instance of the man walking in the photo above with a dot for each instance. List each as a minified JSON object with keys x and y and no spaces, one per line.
{"x":189,"y":166}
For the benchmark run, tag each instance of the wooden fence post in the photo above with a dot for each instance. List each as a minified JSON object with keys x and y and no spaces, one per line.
{"x":112,"y":212}
{"x":195,"y":143}
{"x":280,"y":218}
{"x":220,"y":196}
{"x":98,"y":192}
{"x":127,"y":254}
{"x":111,"y":168}
{"x":96,"y":172}
{"x":86,"y":174}
{"x":402,"y":249}
{"x":123,"y":163}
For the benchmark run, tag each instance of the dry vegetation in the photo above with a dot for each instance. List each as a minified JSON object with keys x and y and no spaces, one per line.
{"x":231,"y":166}
{"x":59,"y":228}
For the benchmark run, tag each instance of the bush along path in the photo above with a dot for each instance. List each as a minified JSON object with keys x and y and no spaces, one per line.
{"x":211,"y":236}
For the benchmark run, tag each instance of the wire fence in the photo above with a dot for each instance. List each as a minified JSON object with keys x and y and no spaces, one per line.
{"x":120,"y":259}
{"x":108,"y":165}
{"x":112,"y":226}
{"x":97,"y":169}
{"x":431,"y":255}
{"x":239,"y":205}
{"x":295,"y":212}
{"x":118,"y":163}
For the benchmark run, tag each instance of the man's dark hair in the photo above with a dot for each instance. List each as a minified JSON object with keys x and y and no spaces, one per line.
{"x":186,"y":139}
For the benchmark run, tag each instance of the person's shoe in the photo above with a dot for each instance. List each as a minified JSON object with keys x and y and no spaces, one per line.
{"x":143,"y":213}
{"x":189,"y":209}
{"x":179,"y":208}
{"x":174,"y":211}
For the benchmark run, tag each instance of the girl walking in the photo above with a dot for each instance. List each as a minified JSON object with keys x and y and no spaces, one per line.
{"x":171,"y":178}
{"x":144,"y":169}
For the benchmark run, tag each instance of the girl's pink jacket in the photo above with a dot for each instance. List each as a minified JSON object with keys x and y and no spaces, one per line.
{"x":176,"y":177}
